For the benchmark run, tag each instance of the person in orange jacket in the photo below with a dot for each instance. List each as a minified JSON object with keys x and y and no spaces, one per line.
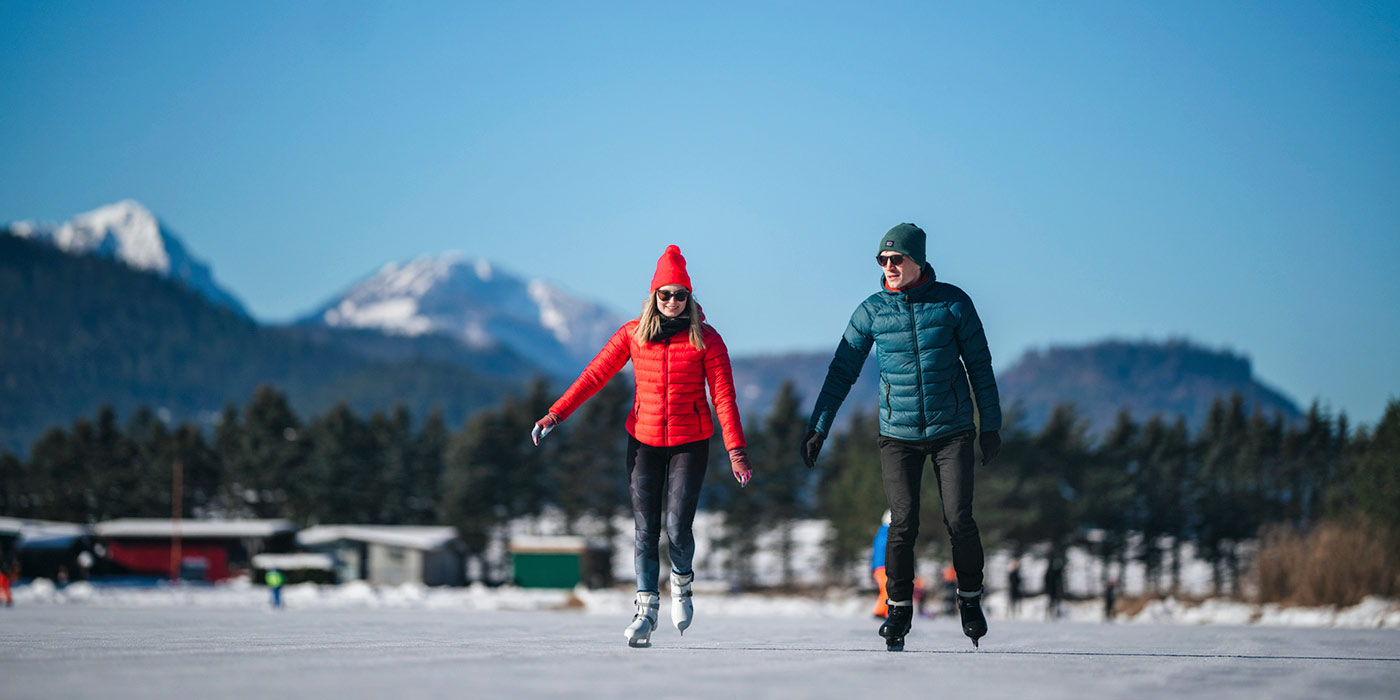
{"x":877,"y":565}
{"x":674,"y":355}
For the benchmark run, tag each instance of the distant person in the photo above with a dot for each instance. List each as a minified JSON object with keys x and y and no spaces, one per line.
{"x":5,"y":589}
{"x":877,"y":565}
{"x":675,"y":355}
{"x":1013,"y":586}
{"x":1054,"y":587}
{"x":950,"y":590}
{"x":920,"y":596}
{"x":1110,"y":596}
{"x":273,"y":579}
{"x":930,"y":345}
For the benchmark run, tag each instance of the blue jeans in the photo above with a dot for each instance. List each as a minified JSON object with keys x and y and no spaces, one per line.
{"x":674,"y":474}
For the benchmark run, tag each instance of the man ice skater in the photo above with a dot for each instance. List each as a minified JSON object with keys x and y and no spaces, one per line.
{"x":929,"y":344}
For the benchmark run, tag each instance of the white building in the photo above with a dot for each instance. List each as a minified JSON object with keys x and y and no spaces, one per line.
{"x":390,"y":554}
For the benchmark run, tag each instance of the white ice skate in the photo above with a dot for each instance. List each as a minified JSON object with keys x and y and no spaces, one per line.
{"x":639,"y":632}
{"x":681,"y":608}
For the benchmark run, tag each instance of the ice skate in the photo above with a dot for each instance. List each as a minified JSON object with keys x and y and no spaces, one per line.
{"x":897,"y":624}
{"x":681,"y":607}
{"x":644,"y":622}
{"x":974,"y":623}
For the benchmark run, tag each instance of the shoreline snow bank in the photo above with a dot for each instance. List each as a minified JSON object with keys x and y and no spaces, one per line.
{"x":1371,"y":613}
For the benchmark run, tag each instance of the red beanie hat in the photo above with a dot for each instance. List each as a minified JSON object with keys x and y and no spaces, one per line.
{"x":670,"y":269}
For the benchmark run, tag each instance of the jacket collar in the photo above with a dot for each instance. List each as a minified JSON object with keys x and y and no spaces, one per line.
{"x":919,"y":288}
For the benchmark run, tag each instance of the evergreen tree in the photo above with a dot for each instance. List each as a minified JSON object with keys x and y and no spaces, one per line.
{"x":342,"y":469}
{"x":1109,"y":491}
{"x":473,"y":481}
{"x":783,"y":491}
{"x":429,"y":449}
{"x":852,"y":494}
{"x":264,"y":454}
{"x":394,"y":470}
{"x":588,"y":466}
{"x":202,"y":472}
{"x":1219,"y":488}
{"x":14,"y":486}
{"x":1374,"y":491}
{"x":142,"y":484}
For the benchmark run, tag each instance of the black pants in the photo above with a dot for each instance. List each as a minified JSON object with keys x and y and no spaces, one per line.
{"x":902,"y":466}
{"x":675,"y":473}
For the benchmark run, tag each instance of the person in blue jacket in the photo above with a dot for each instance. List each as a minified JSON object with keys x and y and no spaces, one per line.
{"x":934,"y":363}
{"x":877,"y":565}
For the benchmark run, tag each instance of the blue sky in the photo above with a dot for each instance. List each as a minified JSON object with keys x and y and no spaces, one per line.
{"x":1227,"y":172}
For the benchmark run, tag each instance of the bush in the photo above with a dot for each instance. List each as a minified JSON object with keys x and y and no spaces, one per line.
{"x":1335,"y":563}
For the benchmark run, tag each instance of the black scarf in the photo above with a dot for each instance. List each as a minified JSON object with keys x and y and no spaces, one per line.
{"x":672,"y":326}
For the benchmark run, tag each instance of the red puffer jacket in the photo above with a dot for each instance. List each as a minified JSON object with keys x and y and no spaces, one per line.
{"x":669,"y":408}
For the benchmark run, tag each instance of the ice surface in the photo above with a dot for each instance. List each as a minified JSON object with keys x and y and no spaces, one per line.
{"x":114,"y":653}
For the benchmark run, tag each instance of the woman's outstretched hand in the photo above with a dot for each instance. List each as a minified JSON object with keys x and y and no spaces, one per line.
{"x":739,"y":461}
{"x":543,"y":426}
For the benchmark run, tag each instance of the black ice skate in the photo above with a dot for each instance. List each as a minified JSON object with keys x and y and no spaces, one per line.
{"x":897,"y":624}
{"x":974,"y":623}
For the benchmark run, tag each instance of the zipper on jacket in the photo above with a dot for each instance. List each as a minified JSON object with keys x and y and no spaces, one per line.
{"x":665,"y":393}
{"x":918,"y":364}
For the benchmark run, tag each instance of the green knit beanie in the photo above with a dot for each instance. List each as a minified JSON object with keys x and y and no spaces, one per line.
{"x":907,"y":239}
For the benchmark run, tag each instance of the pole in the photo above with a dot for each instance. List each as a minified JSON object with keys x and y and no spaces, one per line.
{"x":177,"y":491}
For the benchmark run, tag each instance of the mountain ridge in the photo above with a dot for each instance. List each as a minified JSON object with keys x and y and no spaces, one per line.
{"x":129,"y":232}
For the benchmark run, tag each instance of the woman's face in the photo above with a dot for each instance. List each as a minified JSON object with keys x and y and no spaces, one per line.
{"x":672,"y":300}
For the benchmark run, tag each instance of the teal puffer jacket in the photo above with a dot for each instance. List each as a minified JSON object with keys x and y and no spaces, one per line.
{"x":928,"y":343}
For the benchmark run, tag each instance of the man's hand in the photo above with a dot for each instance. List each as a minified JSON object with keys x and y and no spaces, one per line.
{"x":991,"y":445}
{"x":739,"y":463}
{"x":811,"y":446}
{"x":543,"y":426}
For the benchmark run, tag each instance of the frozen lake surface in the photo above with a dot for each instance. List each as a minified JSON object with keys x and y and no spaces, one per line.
{"x":166,"y":652}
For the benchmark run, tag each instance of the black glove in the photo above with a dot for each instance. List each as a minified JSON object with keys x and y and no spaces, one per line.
{"x":811,"y":446}
{"x":991,"y":445}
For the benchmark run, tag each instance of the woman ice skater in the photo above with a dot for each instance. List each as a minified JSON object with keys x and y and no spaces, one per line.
{"x":674,"y":354}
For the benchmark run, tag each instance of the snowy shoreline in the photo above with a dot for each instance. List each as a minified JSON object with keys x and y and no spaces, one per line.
{"x":1371,"y":613}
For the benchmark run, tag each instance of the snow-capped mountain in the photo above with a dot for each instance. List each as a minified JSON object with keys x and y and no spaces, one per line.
{"x":129,"y":232}
{"x":479,"y":304}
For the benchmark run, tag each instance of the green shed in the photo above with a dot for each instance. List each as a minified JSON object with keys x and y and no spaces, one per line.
{"x":560,"y":562}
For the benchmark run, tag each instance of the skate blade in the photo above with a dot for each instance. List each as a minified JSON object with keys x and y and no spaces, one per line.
{"x":640,"y":640}
{"x":895,"y":646}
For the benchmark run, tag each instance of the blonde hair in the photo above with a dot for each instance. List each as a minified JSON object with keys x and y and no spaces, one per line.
{"x":649,"y":324}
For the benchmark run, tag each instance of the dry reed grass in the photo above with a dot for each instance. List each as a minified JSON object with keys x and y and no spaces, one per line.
{"x":1333,"y":564}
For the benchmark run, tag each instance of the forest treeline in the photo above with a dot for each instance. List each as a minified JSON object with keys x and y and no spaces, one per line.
{"x":1136,"y":495}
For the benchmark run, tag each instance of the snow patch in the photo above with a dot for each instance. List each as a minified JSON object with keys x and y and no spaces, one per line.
{"x":552,"y":317}
{"x":1371,"y":613}
{"x":397,"y":315}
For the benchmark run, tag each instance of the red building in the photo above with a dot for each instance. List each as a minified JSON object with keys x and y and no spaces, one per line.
{"x":210,"y":550}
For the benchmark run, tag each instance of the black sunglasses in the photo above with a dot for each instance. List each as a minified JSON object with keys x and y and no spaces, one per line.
{"x":664,"y":295}
{"x":894,"y":259}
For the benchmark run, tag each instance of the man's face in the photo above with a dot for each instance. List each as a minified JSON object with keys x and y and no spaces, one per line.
{"x":900,"y":270}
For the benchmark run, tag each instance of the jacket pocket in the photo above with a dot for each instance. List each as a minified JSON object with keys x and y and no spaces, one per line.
{"x":885,"y":408}
{"x":957,"y":400}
